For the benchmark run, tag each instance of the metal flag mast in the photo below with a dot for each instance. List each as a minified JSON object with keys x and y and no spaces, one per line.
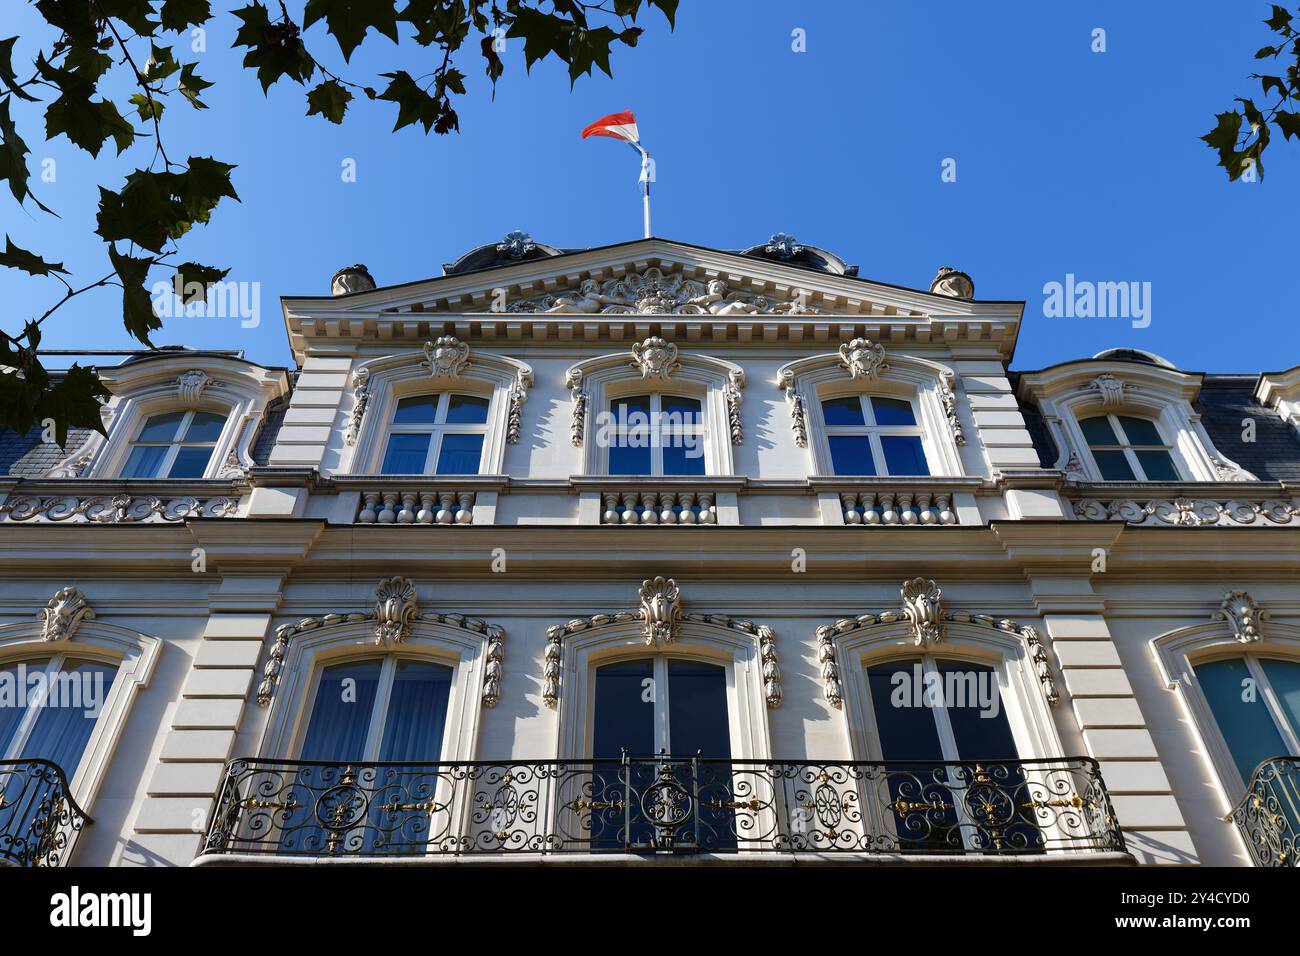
{"x":623,"y":126}
{"x":645,"y":184}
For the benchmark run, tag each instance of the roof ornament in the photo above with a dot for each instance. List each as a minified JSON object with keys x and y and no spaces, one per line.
{"x":952,"y":283}
{"x":354,"y":278}
{"x":783,"y":246}
{"x":516,"y":244}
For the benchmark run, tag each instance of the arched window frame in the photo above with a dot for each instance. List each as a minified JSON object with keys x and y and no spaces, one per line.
{"x":1068,"y":394}
{"x":1179,"y":652}
{"x":240,"y":391}
{"x":597,"y":383}
{"x":378,"y":385}
{"x":133,"y":654}
{"x":929,"y":386}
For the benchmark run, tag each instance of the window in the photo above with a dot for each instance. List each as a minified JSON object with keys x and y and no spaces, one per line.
{"x":1259,"y":725}
{"x":873,"y":435}
{"x":1128,"y":449}
{"x":438,"y":434}
{"x":56,"y":702}
{"x":929,"y":713}
{"x":655,"y":435}
{"x":174,"y":445}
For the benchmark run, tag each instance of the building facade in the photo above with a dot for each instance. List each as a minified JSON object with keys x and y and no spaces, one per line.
{"x":653,"y":552}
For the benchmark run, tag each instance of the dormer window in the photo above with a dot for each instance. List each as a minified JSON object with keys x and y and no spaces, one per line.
{"x":873,"y":435}
{"x":174,"y":445}
{"x":439,"y":434}
{"x":1128,"y":449}
{"x":657,"y":434}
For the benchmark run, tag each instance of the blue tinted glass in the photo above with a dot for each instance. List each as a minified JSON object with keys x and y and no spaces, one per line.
{"x":633,"y":403}
{"x":190,"y":462}
{"x":144,"y":462}
{"x":904,"y":724}
{"x":417,"y":712}
{"x":459,"y":454}
{"x":1157,"y":465}
{"x":467,"y":410}
{"x":851,"y":455}
{"x":67,"y":716}
{"x":687,"y":409}
{"x":892,"y":411}
{"x":697,"y":710}
{"x":904,"y":455}
{"x":340,"y":716}
{"x":406,"y":455}
{"x":12,"y":715}
{"x":974,"y":704}
{"x":1243,"y":717}
{"x":1097,"y":431}
{"x":684,"y":456}
{"x":624,"y":460}
{"x":416,"y":410}
{"x":624,"y":710}
{"x":1113,"y":465}
{"x":1140,"y":431}
{"x":161,"y":427}
{"x":1285,"y":678}
{"x":843,"y":411}
{"x":205,"y":426}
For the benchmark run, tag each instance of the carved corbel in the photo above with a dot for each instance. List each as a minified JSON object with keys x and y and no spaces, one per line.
{"x":396,"y":609}
{"x":64,"y":614}
{"x":655,"y":358}
{"x":924,"y":610}
{"x":446,"y":358}
{"x":1242,"y":615}
{"x":661,"y":610}
{"x":863,"y":359}
{"x":190,"y":386}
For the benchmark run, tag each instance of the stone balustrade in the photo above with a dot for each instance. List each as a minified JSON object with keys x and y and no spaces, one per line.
{"x":417,"y":507}
{"x":681,"y":507}
{"x":872,"y":507}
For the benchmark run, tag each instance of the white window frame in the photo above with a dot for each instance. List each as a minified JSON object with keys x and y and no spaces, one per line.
{"x":438,"y":429}
{"x":656,"y":448}
{"x":176,"y":444}
{"x":1126,"y":445}
{"x":871,"y":430}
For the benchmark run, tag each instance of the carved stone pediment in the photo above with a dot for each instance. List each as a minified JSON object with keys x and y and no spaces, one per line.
{"x":654,"y":291}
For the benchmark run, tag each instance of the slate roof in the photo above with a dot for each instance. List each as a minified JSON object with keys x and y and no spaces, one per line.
{"x":1228,"y":400}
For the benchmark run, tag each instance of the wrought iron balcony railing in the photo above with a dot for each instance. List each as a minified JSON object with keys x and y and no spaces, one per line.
{"x":39,"y":820}
{"x":1268,"y":816}
{"x":662,"y":804}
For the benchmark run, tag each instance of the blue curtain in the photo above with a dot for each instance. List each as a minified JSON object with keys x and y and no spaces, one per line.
{"x":64,"y":723}
{"x":417,"y":712}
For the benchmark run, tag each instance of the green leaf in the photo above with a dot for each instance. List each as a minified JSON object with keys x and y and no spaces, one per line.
{"x":627,"y":8}
{"x":1269,"y":82}
{"x":179,"y":14}
{"x":1288,"y":123}
{"x":669,"y":9}
{"x":275,"y":49}
{"x":590,"y":47}
{"x":73,"y":401}
{"x":414,"y":105}
{"x":190,"y":85}
{"x":147,"y":108}
{"x":194,"y":281}
{"x":350,"y":20}
{"x":145,"y":212}
{"x":134,"y":13}
{"x":29,"y":262}
{"x":1280,"y":20}
{"x":137,"y":308}
{"x":160,"y":65}
{"x":87,"y":123}
{"x":7,"y":70}
{"x":330,"y":100}
{"x":543,"y":34}
{"x":13,"y":158}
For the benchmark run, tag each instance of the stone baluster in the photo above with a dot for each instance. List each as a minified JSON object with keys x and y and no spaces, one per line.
{"x":610,"y":515}
{"x":445,"y":500}
{"x":407,"y":513}
{"x":465,"y":515}
{"x":367,"y":513}
{"x":927,"y":512}
{"x":707,"y":514}
{"x":905,"y":512}
{"x":849,"y":500}
{"x":425,"y":514}
{"x":869,"y":513}
{"x":389,"y":513}
{"x":666,"y":513}
{"x":629,"y":507}
{"x":943,"y":504}
{"x":649,"y":507}
{"x":889,"y":513}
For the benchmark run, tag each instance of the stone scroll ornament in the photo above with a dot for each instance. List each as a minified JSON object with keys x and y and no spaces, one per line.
{"x":660,"y":616}
{"x":1242,"y":615}
{"x":923,"y":611}
{"x":61,"y":617}
{"x":395,"y":612}
{"x":446,"y":358}
{"x":655,"y":358}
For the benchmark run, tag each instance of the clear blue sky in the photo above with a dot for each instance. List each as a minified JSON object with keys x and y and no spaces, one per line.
{"x":1068,"y":161}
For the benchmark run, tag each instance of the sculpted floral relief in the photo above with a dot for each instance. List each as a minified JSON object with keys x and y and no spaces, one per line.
{"x":656,"y":291}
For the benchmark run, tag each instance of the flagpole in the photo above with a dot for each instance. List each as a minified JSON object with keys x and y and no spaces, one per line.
{"x":645,"y":183}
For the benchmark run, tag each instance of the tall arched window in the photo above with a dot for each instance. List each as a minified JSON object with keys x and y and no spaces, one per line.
{"x":656,"y":434}
{"x":873,"y":435}
{"x":1128,"y":449}
{"x":175,"y":444}
{"x":437,"y":434}
{"x":55,"y":703}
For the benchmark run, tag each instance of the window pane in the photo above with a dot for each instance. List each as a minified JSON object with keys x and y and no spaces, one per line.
{"x":340,"y":716}
{"x":687,"y":410}
{"x":1140,"y":431}
{"x":417,"y":712}
{"x":1158,"y":465}
{"x":161,"y":427}
{"x":974,"y":704}
{"x":851,"y":455}
{"x":697,"y":710}
{"x":190,"y":461}
{"x":144,"y":461}
{"x":684,"y":455}
{"x":1243,"y":718}
{"x":843,"y":411}
{"x":406,"y":455}
{"x":1113,"y":466}
{"x":1097,"y":431}
{"x":467,"y":410}
{"x":12,"y":714}
{"x":67,"y":716}
{"x":893,"y":411}
{"x":635,"y":403}
{"x":205,"y":426}
{"x":904,"y":455}
{"x":459,"y":455}
{"x":904,"y":723}
{"x":1285,"y":678}
{"x":416,"y":410}
{"x":624,"y":460}
{"x":624,"y":712}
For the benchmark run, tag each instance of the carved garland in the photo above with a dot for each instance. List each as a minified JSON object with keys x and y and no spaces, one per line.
{"x":923,"y":610}
{"x":396,"y":610}
{"x":660,"y":616}
{"x":731,"y":391}
{"x":948,"y":396}
{"x":518,"y":395}
{"x":361,"y":384}
{"x":573,"y":382}
{"x":798,"y":416}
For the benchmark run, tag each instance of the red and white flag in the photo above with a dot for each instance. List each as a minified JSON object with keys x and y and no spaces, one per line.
{"x":618,"y":125}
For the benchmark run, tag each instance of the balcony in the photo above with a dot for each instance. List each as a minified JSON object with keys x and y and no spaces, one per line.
{"x":663,"y":808}
{"x":39,"y":820}
{"x":1268,"y":816}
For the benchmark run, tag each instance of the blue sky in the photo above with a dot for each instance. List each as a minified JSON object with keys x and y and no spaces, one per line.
{"x":1068,"y":161}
